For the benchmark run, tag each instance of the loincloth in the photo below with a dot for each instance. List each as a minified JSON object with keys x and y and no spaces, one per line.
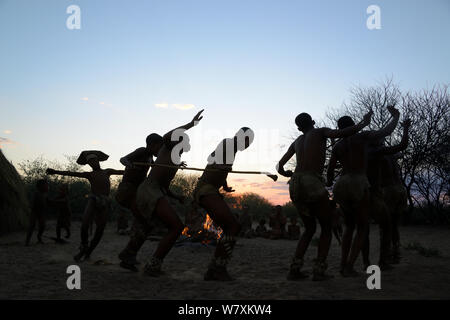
{"x":204,"y":189}
{"x":350,"y":189}
{"x":102,"y":202}
{"x":395,"y":198}
{"x":306,"y":188}
{"x":147,"y":196}
{"x":126,"y":192}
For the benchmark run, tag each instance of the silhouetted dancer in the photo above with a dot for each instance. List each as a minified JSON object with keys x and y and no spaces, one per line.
{"x":207,"y":195}
{"x":307,"y":189}
{"x":352,"y":190}
{"x":151,"y":197}
{"x":98,"y":204}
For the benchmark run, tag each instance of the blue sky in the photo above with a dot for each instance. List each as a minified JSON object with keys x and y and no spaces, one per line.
{"x":253,"y":63}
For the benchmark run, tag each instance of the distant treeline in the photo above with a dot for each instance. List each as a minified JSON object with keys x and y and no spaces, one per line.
{"x":425,"y":165}
{"x":32,"y":170}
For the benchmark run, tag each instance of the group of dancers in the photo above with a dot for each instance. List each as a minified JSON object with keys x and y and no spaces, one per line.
{"x":369,"y":178}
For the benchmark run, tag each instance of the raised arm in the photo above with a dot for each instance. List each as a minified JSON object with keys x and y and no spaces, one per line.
{"x":85,"y":175}
{"x":288,"y":155}
{"x":403,"y":143}
{"x":331,"y":167}
{"x":342,"y":133}
{"x":168,"y":136}
{"x":389,"y":128}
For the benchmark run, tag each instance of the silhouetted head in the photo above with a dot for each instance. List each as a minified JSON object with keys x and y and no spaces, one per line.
{"x":42,"y":185}
{"x":304,"y":122}
{"x":244,"y":138}
{"x":154,"y":142}
{"x":345,"y":122}
{"x":92,"y":160}
{"x":278,"y":209}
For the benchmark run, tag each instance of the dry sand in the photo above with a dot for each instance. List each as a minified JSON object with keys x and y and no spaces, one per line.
{"x":259,"y":266}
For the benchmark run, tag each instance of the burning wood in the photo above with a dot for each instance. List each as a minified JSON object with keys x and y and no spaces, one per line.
{"x":204,"y":232}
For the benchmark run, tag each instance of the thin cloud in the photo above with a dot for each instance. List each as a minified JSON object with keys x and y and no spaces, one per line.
{"x":162,"y":105}
{"x":183,"y":106}
{"x":7,"y":132}
{"x":6,"y":141}
{"x":85,"y":99}
{"x":179,"y":106}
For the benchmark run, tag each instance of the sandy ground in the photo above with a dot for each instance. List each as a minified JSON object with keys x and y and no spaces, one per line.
{"x":259,"y":266}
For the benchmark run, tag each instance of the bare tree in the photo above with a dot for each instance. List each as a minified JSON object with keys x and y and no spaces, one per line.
{"x":425,"y":165}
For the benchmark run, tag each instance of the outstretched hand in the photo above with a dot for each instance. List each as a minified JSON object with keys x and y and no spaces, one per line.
{"x":406,"y":124}
{"x":393,"y":111}
{"x":183,"y":164}
{"x":228,"y":189}
{"x":50,"y":171}
{"x":197,"y":117}
{"x":287,"y":173}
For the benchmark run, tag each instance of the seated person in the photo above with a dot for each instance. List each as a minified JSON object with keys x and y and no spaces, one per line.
{"x":261,"y":230}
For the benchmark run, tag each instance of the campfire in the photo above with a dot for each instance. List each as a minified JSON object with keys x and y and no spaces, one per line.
{"x":205,"y":232}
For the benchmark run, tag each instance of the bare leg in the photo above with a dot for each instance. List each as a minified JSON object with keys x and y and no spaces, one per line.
{"x":41,"y":228}
{"x":128,"y":255}
{"x":362,"y":222}
{"x":58,"y":230}
{"x":169,"y":217}
{"x":309,"y":222}
{"x":31,"y":228}
{"x":221,"y":214}
{"x":88,"y":216}
{"x":67,"y":232}
{"x":139,"y":231}
{"x":305,"y":239}
{"x":323,"y":212}
{"x":366,"y":250}
{"x":347,"y":237}
{"x":100,"y":224}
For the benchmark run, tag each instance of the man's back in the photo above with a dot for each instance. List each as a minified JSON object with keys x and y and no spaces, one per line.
{"x":163,"y":175}
{"x":310,"y":151}
{"x":352,"y":153}
{"x":137,"y":174}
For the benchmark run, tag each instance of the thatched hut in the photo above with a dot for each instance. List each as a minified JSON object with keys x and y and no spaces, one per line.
{"x":14,"y":207}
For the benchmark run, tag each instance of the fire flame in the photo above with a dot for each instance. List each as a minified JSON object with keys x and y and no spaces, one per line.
{"x":208,"y":229}
{"x":185,"y":232}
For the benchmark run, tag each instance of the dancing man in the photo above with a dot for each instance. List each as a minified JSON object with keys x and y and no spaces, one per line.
{"x":98,"y":204}
{"x":307,"y":189}
{"x":207,"y":195}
